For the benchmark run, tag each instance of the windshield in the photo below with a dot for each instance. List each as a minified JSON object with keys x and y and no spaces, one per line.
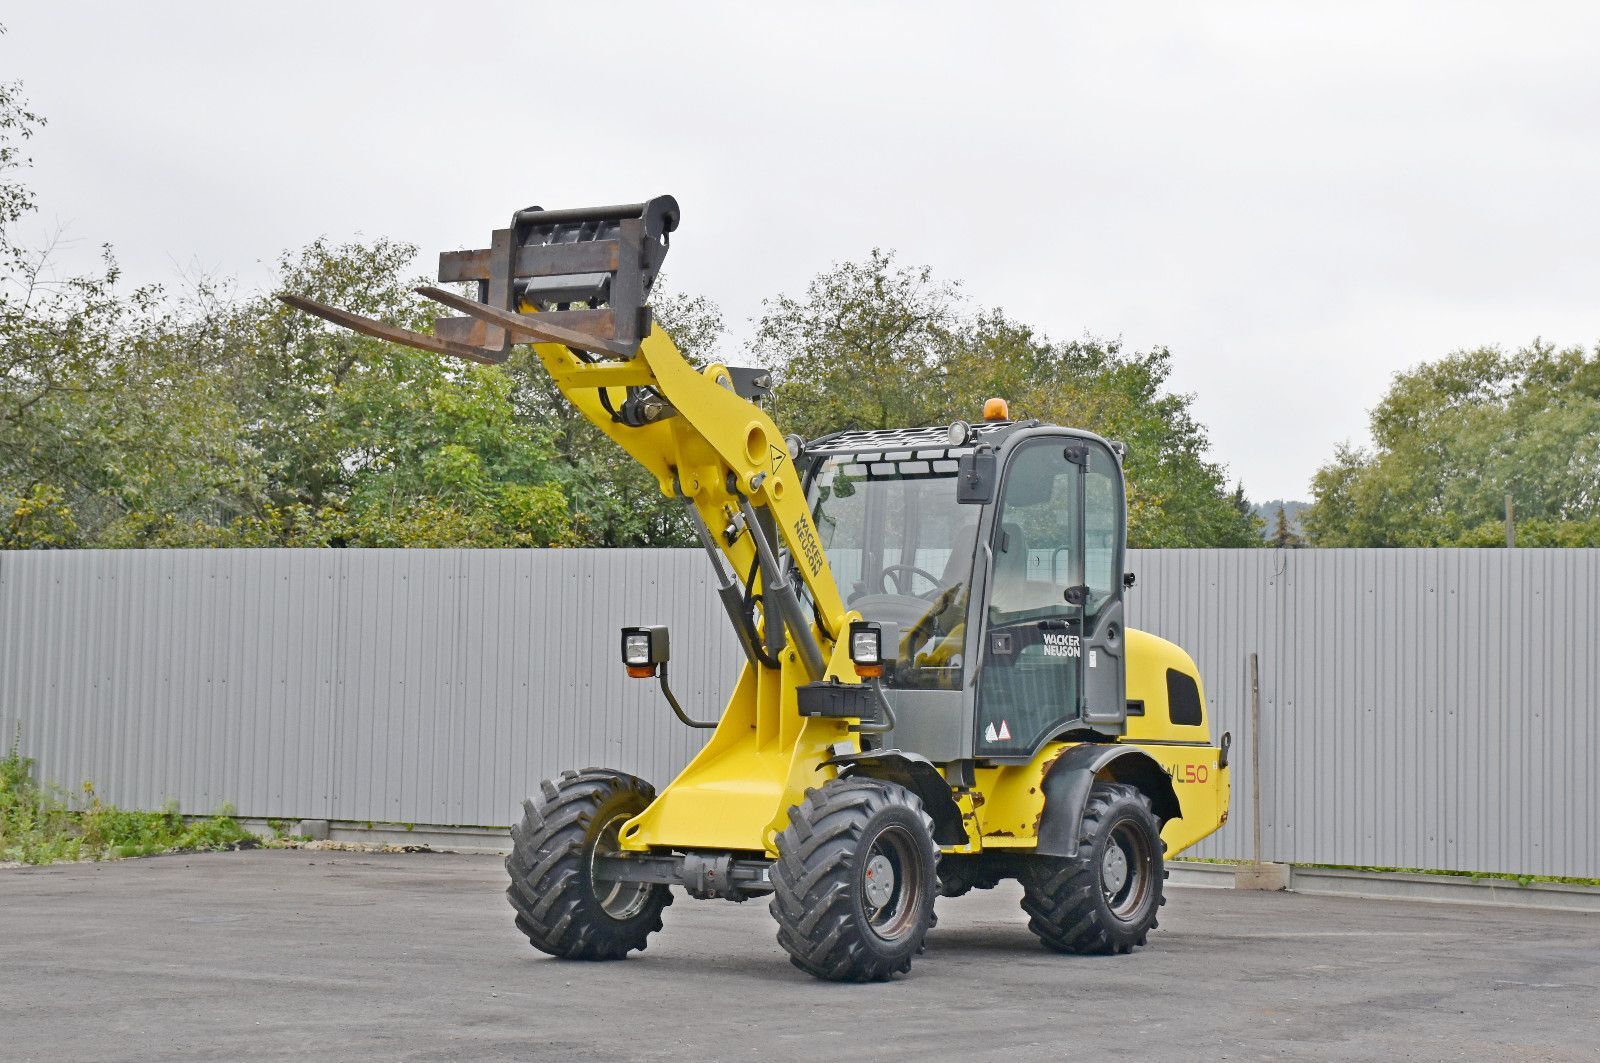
{"x":901,"y":547}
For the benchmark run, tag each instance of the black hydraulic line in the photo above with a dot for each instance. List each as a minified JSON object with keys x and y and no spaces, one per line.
{"x":768,"y":639}
{"x":605,"y":404}
{"x":734,"y":600}
{"x":661,"y":676}
{"x":771,"y":635}
{"x":776,"y":586}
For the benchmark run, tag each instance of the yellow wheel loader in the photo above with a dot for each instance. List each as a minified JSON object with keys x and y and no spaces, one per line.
{"x":939,"y":691}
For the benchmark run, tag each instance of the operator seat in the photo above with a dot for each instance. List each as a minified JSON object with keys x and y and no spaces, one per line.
{"x":1009,"y":594}
{"x":958,"y":566}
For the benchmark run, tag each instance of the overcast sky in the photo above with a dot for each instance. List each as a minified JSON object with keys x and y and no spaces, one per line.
{"x":1296,"y":206}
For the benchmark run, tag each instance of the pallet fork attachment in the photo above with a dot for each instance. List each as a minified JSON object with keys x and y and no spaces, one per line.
{"x":587,"y":273}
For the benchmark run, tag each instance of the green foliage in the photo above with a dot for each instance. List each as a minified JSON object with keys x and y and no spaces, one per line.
{"x":37,"y":519}
{"x":1283,"y":535}
{"x":1453,"y":437}
{"x":1567,"y":534}
{"x":1288,"y":529}
{"x":39,"y":826}
{"x":220,"y":422}
{"x":873,"y":344}
{"x":866,"y":347}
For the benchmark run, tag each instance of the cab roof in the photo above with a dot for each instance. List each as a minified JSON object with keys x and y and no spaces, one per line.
{"x":932,"y":441}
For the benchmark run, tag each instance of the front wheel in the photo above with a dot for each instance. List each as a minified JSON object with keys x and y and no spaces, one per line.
{"x":853,"y":885}
{"x":1105,"y":899}
{"x":561,"y":906}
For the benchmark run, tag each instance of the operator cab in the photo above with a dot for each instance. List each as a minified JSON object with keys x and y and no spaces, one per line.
{"x":997,"y":550}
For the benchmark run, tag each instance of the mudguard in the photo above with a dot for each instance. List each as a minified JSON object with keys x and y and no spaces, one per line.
{"x":1067,"y":784}
{"x":917,"y":774}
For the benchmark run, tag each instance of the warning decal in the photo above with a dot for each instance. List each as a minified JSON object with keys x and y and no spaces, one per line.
{"x":1001,"y":735}
{"x":778,"y":454}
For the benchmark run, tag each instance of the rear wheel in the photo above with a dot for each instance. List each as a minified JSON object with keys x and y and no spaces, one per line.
{"x":853,"y":885}
{"x":561,"y":906}
{"x":1105,"y":899}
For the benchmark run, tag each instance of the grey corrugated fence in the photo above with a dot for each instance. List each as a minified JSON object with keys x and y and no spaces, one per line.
{"x":1420,"y":708}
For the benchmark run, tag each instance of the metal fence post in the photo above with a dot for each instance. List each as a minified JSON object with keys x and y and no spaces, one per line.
{"x":1255,"y":758}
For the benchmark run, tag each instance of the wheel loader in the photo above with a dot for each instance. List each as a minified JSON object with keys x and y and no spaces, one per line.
{"x":939,"y":691}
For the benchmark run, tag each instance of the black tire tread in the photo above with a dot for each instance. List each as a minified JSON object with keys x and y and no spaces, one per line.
{"x":1059,"y":894}
{"x":549,"y":888}
{"x":813,"y":900}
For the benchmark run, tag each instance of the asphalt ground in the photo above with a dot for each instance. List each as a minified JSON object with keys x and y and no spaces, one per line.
{"x":324,"y":955}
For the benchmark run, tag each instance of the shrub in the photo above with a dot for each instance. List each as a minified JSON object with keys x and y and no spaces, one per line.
{"x":39,"y":826}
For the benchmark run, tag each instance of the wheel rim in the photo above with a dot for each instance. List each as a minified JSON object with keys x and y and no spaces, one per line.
{"x":1125,"y":870}
{"x":891,"y":887}
{"x":619,"y":900}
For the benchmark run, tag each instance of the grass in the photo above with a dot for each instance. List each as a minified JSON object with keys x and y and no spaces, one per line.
{"x":39,"y":825}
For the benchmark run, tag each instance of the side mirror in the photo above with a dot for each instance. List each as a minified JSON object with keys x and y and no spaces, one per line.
{"x":976,"y":477}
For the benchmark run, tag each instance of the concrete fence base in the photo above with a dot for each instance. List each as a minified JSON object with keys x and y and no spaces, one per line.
{"x":1312,"y":881}
{"x":1387,"y":885}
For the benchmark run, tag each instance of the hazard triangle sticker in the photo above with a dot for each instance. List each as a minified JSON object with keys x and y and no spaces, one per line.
{"x":1002,"y":735}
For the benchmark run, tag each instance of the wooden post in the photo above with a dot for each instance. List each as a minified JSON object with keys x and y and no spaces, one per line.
{"x":1511,"y":523}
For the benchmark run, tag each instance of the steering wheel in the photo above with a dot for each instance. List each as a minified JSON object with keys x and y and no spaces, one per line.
{"x":903,"y":575}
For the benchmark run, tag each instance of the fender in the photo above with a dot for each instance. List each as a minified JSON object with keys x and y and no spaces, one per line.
{"x":1066,"y":791}
{"x":917,"y":774}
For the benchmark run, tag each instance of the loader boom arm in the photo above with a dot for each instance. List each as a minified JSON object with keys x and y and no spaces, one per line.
{"x":703,"y":441}
{"x":726,"y":458}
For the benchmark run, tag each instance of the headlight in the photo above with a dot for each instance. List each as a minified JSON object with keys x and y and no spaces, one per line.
{"x":643,"y":649}
{"x":873,"y":644}
{"x":636,"y":649}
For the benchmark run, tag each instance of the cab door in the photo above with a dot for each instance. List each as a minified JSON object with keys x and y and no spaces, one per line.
{"x":1052,"y":642}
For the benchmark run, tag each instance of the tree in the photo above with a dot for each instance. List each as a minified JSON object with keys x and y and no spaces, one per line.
{"x":1453,"y":437}
{"x":136,"y":421}
{"x":17,"y":124}
{"x":142,"y":419}
{"x":1283,"y":536}
{"x":365,"y":443}
{"x":873,"y":344}
{"x":865,"y":347}
{"x":99,"y":415}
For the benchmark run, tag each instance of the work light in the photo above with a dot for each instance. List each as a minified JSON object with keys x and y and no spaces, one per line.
{"x":643,"y":649}
{"x":873,"y":644}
